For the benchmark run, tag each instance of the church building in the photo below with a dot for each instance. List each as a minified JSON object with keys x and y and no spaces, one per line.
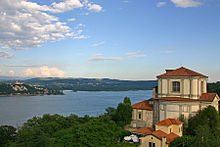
{"x":180,"y":92}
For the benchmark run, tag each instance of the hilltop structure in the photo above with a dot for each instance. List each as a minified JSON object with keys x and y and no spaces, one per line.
{"x":180,"y":92}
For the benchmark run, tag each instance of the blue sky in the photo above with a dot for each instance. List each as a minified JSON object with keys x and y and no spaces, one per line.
{"x":123,"y":39}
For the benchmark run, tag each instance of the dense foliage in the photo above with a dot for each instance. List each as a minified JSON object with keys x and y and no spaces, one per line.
{"x":7,"y":135}
{"x":59,"y":131}
{"x":214,"y":87}
{"x":123,"y":114}
{"x":203,"y":130}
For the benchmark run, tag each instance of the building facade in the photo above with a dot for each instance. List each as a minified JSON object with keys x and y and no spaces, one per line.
{"x":180,"y":92}
{"x":162,"y":135}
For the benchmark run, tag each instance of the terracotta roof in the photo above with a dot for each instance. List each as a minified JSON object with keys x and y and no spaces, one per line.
{"x":204,"y":97}
{"x":182,"y":72}
{"x":170,"y":137}
{"x":146,"y":131}
{"x":168,"y":122}
{"x":175,"y":99}
{"x":159,"y":134}
{"x":143,"y":105}
{"x":207,"y":96}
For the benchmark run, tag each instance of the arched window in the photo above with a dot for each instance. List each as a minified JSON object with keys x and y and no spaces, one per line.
{"x":176,"y":86}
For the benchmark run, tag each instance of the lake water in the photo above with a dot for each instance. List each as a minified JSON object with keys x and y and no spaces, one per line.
{"x":15,"y":110}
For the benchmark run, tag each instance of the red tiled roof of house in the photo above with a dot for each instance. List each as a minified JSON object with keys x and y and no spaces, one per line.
{"x":170,"y":137}
{"x":168,"y":122}
{"x":204,"y":97}
{"x":159,"y":134}
{"x":143,"y":105}
{"x":146,"y":131}
{"x":182,"y":72}
{"x":207,"y":96}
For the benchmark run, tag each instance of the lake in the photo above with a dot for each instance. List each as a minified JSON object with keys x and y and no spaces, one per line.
{"x":15,"y":110}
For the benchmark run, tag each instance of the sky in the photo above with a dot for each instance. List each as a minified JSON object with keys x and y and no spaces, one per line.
{"x":120,"y":39}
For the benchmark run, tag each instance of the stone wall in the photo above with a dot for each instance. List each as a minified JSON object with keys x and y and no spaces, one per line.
{"x":174,"y":109}
{"x":146,"y":119}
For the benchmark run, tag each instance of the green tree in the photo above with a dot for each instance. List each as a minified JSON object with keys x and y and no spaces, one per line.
{"x":7,"y":134}
{"x":184,"y":141}
{"x":205,"y":126}
{"x":123,"y":115}
{"x":59,"y":131}
{"x":208,"y":116}
{"x":204,"y":137}
{"x":127,"y":101}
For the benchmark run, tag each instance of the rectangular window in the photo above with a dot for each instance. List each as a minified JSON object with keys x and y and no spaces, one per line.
{"x":151,"y":144}
{"x":202,"y":87}
{"x":185,"y":108}
{"x":139,"y":115}
{"x":161,"y":107}
{"x":176,"y":86}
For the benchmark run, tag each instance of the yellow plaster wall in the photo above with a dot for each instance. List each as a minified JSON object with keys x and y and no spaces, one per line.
{"x":150,"y":138}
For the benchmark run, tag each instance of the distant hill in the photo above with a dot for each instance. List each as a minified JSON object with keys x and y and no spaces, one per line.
{"x":24,"y":89}
{"x":13,"y":78}
{"x":85,"y":84}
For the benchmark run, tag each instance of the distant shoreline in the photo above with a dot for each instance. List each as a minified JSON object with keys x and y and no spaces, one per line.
{"x":11,"y":95}
{"x":112,"y":90}
{"x":29,"y":94}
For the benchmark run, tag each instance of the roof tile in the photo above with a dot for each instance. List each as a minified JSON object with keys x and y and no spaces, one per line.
{"x":207,"y":96}
{"x":146,"y":131}
{"x":159,"y":134}
{"x":143,"y":105}
{"x":168,"y":122}
{"x":170,"y":137}
{"x":182,"y":72}
{"x":204,"y":97}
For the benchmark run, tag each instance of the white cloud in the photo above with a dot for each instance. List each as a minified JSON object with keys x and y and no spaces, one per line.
{"x":4,"y":54}
{"x":94,"y":7}
{"x":80,"y":37}
{"x":80,"y":25}
{"x":43,"y":71}
{"x":169,"y":51}
{"x":186,"y":3}
{"x":71,"y":19}
{"x":160,"y":4}
{"x":99,"y":57}
{"x":98,"y":44}
{"x":25,"y":25}
{"x":135,"y":55}
{"x":11,"y":73}
{"x":66,"y":5}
